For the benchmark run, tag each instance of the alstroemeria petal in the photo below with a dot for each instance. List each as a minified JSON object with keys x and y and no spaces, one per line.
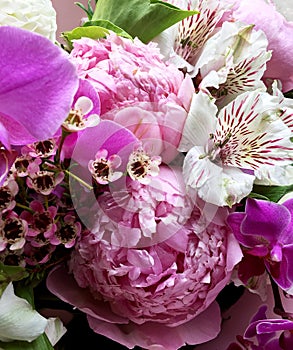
{"x":37,"y":85}
{"x":18,"y":321}
{"x":200,"y":122}
{"x":252,"y":133}
{"x":215,"y":184}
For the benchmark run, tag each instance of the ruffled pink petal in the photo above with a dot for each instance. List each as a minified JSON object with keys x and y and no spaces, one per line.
{"x":201,"y":329}
{"x":63,"y":285}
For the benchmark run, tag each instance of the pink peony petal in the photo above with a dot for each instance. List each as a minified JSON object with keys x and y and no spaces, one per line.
{"x":63,"y":285}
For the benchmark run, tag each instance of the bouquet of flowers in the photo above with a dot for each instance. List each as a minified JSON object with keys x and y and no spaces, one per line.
{"x":146,"y":176}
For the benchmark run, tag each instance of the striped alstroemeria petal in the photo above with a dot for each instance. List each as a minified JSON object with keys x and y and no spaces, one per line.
{"x":250,"y":133}
{"x":194,"y":30}
{"x":233,"y":61}
{"x":215,"y":184}
{"x":200,"y":122}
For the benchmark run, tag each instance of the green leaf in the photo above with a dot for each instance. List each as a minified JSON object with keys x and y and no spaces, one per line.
{"x":25,"y":292}
{"x":41,"y":343}
{"x":93,"y":32}
{"x":108,"y":25}
{"x":142,"y":18}
{"x":9,"y":274}
{"x":272,"y":193}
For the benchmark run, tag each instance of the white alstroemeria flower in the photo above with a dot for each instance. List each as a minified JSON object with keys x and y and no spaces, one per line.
{"x":182,"y":43}
{"x":233,"y":61}
{"x":278,"y":175}
{"x":18,"y":321}
{"x":36,"y":16}
{"x":225,"y":151}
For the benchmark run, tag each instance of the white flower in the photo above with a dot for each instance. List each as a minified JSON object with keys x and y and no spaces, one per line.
{"x":54,"y":330}
{"x":226,"y":151}
{"x":18,"y":321}
{"x":233,"y":61}
{"x":34,"y":15}
{"x":182,"y":43}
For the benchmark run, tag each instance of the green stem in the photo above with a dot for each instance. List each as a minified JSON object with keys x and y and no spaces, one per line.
{"x":79,"y":180}
{"x":24,"y":207}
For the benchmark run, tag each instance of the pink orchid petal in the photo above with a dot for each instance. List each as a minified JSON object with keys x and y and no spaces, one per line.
{"x":37,"y":84}
{"x":106,"y":135}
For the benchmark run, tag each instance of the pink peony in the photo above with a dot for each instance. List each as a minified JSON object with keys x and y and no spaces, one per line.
{"x":279,"y":34}
{"x":158,"y":125}
{"x":160,"y":295}
{"x":125,"y":72}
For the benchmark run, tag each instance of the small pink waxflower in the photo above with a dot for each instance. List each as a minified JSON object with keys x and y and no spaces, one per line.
{"x":43,"y":181}
{"x":42,"y":149}
{"x":21,"y":165}
{"x":38,"y":255}
{"x":13,"y":231}
{"x":142,"y":167}
{"x":8,"y":191}
{"x":12,"y":257}
{"x":103,"y":167}
{"x":76,"y":120}
{"x":41,"y":223}
{"x":68,"y":231}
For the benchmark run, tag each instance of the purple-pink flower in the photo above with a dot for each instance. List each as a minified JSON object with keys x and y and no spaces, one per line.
{"x":37,"y":87}
{"x":160,"y":293}
{"x":265,"y":231}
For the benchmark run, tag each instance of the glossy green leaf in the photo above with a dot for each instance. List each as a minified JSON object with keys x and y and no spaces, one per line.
{"x":272,"y":193}
{"x":10,"y":274}
{"x":41,"y":343}
{"x":108,"y":25}
{"x":142,"y":18}
{"x":93,"y":32}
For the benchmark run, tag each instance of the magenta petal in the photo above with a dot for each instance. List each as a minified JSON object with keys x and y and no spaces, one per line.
{"x":4,"y":137}
{"x":86,"y":89}
{"x":265,"y":219}
{"x":64,"y":286}
{"x":282,"y":272}
{"x":235,"y":220}
{"x":106,"y":135}
{"x":286,"y":237}
{"x":37,"y":85}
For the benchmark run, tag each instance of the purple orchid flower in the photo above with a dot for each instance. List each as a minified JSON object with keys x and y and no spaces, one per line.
{"x":265,"y":330}
{"x":265,"y":231}
{"x":38,"y":84}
